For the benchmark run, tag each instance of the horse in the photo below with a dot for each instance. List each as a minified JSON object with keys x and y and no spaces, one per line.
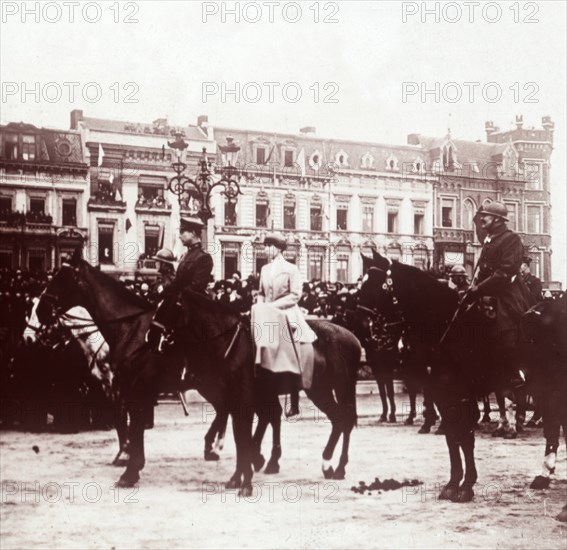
{"x":124,"y":320}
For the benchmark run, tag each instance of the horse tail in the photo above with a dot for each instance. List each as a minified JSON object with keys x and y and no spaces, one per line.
{"x":352,"y":359}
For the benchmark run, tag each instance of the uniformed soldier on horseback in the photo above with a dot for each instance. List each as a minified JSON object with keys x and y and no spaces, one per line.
{"x":193,"y":273}
{"x":499,"y":289}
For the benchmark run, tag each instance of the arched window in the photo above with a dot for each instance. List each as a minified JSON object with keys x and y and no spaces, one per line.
{"x":469,"y":210}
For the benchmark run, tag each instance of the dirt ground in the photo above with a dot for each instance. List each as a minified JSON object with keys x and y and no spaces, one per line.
{"x":57,"y":491}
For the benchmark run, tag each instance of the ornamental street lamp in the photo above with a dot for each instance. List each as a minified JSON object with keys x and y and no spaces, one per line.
{"x":197,"y":191}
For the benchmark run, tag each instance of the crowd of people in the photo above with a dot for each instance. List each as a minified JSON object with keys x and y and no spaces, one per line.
{"x":17,"y":218}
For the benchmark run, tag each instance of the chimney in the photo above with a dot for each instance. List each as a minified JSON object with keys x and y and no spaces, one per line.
{"x":76,"y":117}
{"x":519,"y":121}
{"x":307,"y":130}
{"x":413,"y":139}
{"x":490,"y":129}
{"x":203,"y":121}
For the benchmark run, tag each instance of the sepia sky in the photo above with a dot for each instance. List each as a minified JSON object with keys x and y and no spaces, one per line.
{"x":349,"y":61}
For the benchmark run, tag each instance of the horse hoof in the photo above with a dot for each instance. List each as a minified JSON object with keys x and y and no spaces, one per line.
{"x":409,"y":421}
{"x":339,"y":473}
{"x":258,"y":462}
{"x":328,"y":474}
{"x":211,"y":456}
{"x":540,"y":482}
{"x":246,"y":490}
{"x":440,"y":430}
{"x":120,"y":462}
{"x":232,"y":484}
{"x":562,"y":516}
{"x":425,"y":429}
{"x":126,"y":482}
{"x":383,"y":418}
{"x":272,"y":468}
{"x":466,"y":493}
{"x":392,"y":419}
{"x":449,"y":492}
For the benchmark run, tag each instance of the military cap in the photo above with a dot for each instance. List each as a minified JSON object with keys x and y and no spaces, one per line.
{"x":458,"y":269}
{"x":191,"y":224}
{"x":526,"y":260}
{"x":165,"y":256}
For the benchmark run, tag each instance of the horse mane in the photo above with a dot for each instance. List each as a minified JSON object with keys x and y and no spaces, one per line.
{"x":117,"y":287}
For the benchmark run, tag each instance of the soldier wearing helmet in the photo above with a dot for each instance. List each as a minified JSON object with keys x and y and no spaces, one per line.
{"x":166,"y":268}
{"x":499,"y":286}
{"x":458,"y":279}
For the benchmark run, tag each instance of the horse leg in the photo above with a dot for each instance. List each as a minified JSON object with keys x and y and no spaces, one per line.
{"x":348,"y":408}
{"x":121,"y":421}
{"x":502,"y":427}
{"x":551,"y":431}
{"x":258,"y":459}
{"x":273,"y":466}
{"x":221,"y":433}
{"x":451,"y":489}
{"x":390,"y":394}
{"x":466,"y":492}
{"x":511,"y":407}
{"x":412,"y":394}
{"x":210,"y":436}
{"x":242,"y":418}
{"x":486,"y":408}
{"x":137,"y":457}
{"x":429,"y":414}
{"x":521,"y":405}
{"x":382,"y":391}
{"x":326,"y":403}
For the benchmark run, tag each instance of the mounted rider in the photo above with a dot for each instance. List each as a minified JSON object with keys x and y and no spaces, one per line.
{"x":193,"y":273}
{"x":288,"y":348}
{"x":499,"y":288}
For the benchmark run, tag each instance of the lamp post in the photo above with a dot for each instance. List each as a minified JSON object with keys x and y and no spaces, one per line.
{"x":197,"y":191}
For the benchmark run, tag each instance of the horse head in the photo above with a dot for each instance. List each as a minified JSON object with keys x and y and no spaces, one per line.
{"x":61,"y":294}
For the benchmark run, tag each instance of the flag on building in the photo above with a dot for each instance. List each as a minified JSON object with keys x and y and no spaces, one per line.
{"x":100,"y":154}
{"x":301,"y":161}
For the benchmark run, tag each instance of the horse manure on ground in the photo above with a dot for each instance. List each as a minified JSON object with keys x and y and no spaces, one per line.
{"x":386,"y":485}
{"x":35,"y":449}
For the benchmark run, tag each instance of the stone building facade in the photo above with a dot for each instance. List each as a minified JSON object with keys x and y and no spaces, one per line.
{"x":43,"y":195}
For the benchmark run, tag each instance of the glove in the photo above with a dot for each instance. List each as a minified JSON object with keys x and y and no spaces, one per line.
{"x":470,"y":296}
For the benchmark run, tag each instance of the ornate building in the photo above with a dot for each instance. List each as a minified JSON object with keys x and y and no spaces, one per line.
{"x":513,"y":167}
{"x":333,"y":199}
{"x":131,"y":212}
{"x":43,"y":195}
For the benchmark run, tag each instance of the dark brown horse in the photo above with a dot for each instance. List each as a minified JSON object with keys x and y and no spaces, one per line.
{"x":124,"y":320}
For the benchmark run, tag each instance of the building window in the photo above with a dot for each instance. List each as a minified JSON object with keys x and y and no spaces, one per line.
{"x":533,"y":172}
{"x":11,"y":146}
{"x":6,"y":259}
{"x":469,"y":212}
{"x":392,"y":222}
{"x":289,"y":216}
{"x":418,"y":221}
{"x":316,"y":217}
{"x":288,"y":158}
{"x":70,"y":212}
{"x":447,"y":213}
{"x":342,"y":215}
{"x":37,"y":206}
{"x":316,"y":264}
{"x":534,"y":219}
{"x":230,"y":259}
{"x":5,"y":206}
{"x":368,"y":219}
{"x":512,"y":215}
{"x":151,"y":196}
{"x":342,"y":269}
{"x":260,"y":155}
{"x":230,"y":212}
{"x":105,"y":243}
{"x":36,"y":260}
{"x":28,"y":148}
{"x":262,"y":213}
{"x":151,"y":240}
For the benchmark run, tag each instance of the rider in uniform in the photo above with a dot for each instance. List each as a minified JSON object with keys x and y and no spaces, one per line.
{"x":166,"y":268}
{"x":500,"y":288}
{"x":532,"y":282}
{"x":458,"y":279}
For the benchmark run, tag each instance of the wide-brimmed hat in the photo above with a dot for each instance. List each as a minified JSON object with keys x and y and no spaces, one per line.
{"x":495,"y":208}
{"x":191,"y":224}
{"x":276,"y":239}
